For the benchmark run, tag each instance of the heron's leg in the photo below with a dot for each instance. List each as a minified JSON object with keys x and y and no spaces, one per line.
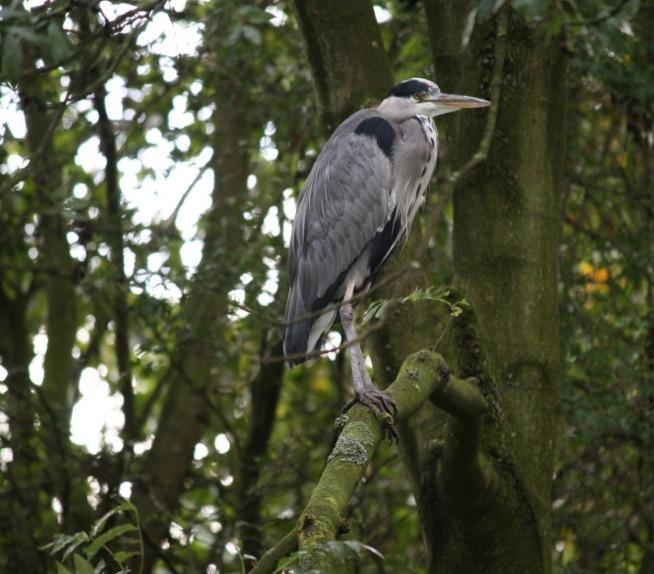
{"x":364,"y":390}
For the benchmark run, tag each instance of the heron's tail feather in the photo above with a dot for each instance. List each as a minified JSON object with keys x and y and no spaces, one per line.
{"x":301,"y":336}
{"x":296,"y":331}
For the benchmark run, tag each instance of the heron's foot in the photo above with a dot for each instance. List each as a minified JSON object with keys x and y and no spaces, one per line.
{"x":377,"y":401}
{"x":388,"y":428}
{"x":381,"y":405}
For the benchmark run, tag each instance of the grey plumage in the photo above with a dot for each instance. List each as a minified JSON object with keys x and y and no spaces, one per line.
{"x":353,"y":191}
{"x":357,"y":204}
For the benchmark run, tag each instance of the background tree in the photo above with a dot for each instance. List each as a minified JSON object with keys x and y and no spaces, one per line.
{"x":150,"y":161}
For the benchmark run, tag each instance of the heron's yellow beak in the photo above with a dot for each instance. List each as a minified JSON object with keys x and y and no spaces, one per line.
{"x":459,"y":102}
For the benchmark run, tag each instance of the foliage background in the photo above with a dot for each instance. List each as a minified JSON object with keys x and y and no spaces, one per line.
{"x":151,"y":157}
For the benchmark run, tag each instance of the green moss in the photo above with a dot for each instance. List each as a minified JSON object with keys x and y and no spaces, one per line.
{"x":351,"y":447}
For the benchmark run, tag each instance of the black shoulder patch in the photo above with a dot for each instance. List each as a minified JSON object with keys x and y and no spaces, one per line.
{"x":381,"y":130}
{"x":383,"y":243}
{"x":408,"y":88}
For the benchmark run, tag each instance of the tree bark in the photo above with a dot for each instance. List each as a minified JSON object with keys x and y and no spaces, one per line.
{"x":505,"y":251}
{"x":346,"y":53}
{"x":20,"y":504}
{"x":120,"y":287}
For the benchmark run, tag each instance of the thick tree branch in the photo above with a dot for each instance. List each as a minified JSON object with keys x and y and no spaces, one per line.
{"x":461,"y":460}
{"x":265,"y":390}
{"x":423,"y":375}
{"x":120,"y":285}
{"x":61,"y":318}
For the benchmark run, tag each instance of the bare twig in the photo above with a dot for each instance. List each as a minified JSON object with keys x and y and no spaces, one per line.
{"x":496,"y":82}
{"x":390,"y":278}
{"x":170,"y":221}
{"x":76,"y":93}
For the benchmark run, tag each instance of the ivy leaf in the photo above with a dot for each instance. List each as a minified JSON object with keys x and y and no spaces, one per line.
{"x":61,"y":569}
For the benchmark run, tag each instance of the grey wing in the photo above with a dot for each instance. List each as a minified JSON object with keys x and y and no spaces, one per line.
{"x":344,"y":204}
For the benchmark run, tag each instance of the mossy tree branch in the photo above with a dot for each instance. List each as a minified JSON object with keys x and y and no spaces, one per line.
{"x":423,"y":375}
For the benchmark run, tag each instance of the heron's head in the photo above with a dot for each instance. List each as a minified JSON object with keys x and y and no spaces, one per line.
{"x":418,"y":96}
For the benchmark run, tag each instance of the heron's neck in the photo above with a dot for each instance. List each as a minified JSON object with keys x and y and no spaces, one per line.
{"x":397,"y":109}
{"x":428,"y":127}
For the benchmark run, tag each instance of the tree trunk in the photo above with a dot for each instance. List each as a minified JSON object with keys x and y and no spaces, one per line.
{"x":483,"y":490}
{"x":200,"y":352}
{"x":505,"y":251}
{"x":346,"y":53}
{"x":59,"y":378}
{"x":20,"y":506}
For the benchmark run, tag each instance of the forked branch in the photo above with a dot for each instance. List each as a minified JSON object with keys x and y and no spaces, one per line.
{"x":423,"y":375}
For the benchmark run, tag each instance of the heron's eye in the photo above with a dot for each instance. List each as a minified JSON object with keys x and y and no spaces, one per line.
{"x":419,"y":97}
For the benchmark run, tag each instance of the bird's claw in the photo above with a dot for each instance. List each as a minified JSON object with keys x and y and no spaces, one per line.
{"x":380,"y":404}
{"x":388,"y":428}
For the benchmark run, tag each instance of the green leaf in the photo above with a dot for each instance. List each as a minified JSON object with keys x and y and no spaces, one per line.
{"x":61,"y":569}
{"x":122,"y":556}
{"x":12,"y":58}
{"x":374,"y":311}
{"x":99,"y":524}
{"x":27,"y":35}
{"x":82,"y":565}
{"x":79,"y":538}
{"x":58,"y":42}
{"x":252,"y":34}
{"x":92,"y":549}
{"x":358,"y":547}
{"x":8,"y":13}
{"x":61,"y":541}
{"x":288,"y":561}
{"x":338,"y":550}
{"x":253,"y":14}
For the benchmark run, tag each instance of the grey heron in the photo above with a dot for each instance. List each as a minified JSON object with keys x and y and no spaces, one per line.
{"x":357,"y":204}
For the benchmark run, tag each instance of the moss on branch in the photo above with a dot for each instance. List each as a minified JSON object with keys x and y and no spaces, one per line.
{"x":423,"y":375}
